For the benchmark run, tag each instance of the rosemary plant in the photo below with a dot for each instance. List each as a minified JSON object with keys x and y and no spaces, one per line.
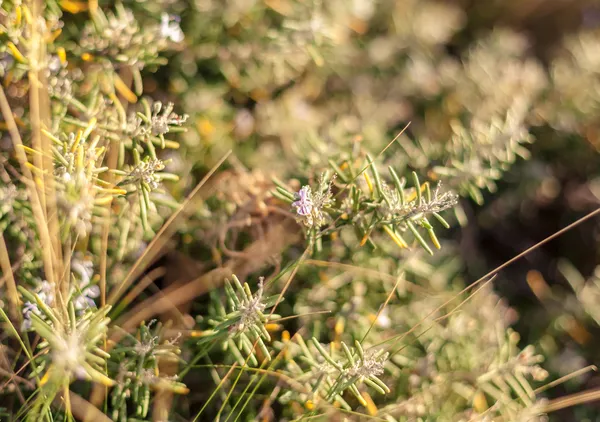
{"x":269,"y":210}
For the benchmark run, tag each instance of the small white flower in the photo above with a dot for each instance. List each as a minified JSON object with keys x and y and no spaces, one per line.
{"x":383,"y":320}
{"x":170,"y":29}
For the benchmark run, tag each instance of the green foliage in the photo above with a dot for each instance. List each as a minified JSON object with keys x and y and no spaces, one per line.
{"x":238,"y":330}
{"x":135,"y":365}
{"x":393,"y":210}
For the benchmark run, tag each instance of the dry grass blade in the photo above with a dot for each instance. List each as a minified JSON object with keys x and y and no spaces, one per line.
{"x":504,"y":265}
{"x":40,"y":119}
{"x":571,"y":400}
{"x":399,"y":338}
{"x":185,"y":292}
{"x":167,"y":299}
{"x":387,"y":300}
{"x":161,"y":237}
{"x":84,"y":410}
{"x":365,"y":168}
{"x":366,"y":271}
{"x":49,"y":254}
{"x":567,"y":377}
{"x":11,"y":285}
{"x":111,"y":164}
{"x":141,"y":285}
{"x":221,"y":384}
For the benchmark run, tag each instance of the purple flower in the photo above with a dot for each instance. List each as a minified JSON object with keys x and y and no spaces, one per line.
{"x":84,"y":268}
{"x":86,"y":298}
{"x":304,"y":205}
{"x":45,"y":291}
{"x":28,"y":308}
